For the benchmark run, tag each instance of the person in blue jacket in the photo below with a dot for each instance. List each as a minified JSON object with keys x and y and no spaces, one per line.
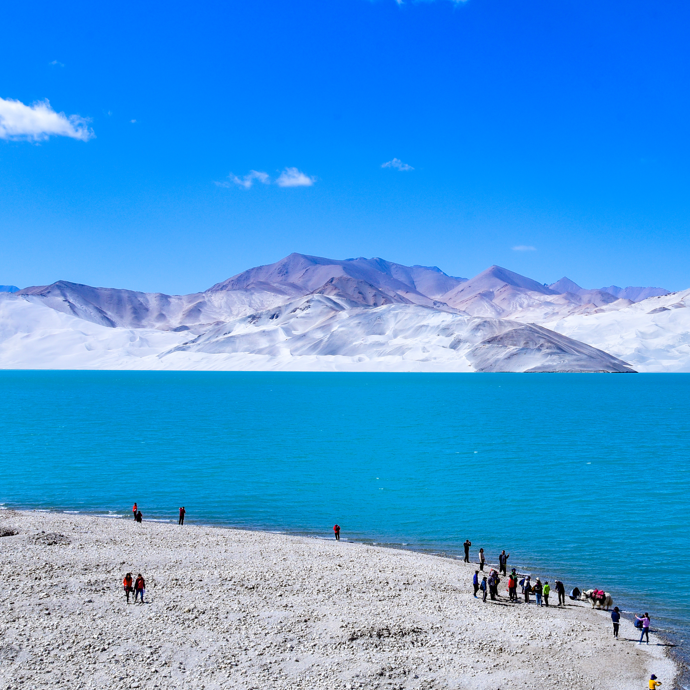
{"x":616,"y":618}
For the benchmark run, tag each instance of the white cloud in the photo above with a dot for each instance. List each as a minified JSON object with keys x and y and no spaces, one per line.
{"x":39,"y":121}
{"x":524,"y":248}
{"x":247,"y":181}
{"x":398,"y":164}
{"x":133,"y":122}
{"x":292,"y":177}
{"x":56,"y":63}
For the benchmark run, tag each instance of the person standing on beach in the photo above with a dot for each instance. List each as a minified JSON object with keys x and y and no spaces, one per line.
{"x":475,"y":582}
{"x":137,"y":517}
{"x":560,"y":590}
{"x":127,"y":582}
{"x":484,"y":587}
{"x":538,"y":591}
{"x":182,"y":513}
{"x":616,"y":619}
{"x":546,"y":590}
{"x":527,"y":588}
{"x":466,"y":546}
{"x":134,"y":511}
{"x":336,"y":531}
{"x":645,"y":627}
{"x":139,"y":588}
{"x":482,"y":559}
{"x":503,"y":562}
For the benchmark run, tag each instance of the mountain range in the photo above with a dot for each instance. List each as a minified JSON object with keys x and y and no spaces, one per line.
{"x":311,"y":313}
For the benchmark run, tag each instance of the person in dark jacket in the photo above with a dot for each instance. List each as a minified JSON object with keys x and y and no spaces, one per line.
{"x":182,"y":514}
{"x":616,"y":619}
{"x":483,"y":586}
{"x":466,"y":546}
{"x":560,"y":589}
{"x":503,"y":561}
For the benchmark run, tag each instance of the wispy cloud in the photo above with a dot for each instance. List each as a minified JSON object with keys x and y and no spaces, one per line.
{"x":39,"y":121}
{"x":247,"y":181}
{"x":292,"y":177}
{"x":524,"y":248}
{"x":397,"y":164}
{"x":56,"y":63}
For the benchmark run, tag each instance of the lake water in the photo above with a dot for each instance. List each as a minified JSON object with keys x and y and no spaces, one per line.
{"x":581,"y":477}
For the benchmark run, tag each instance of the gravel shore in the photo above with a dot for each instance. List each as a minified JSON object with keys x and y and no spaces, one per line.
{"x":237,"y":609}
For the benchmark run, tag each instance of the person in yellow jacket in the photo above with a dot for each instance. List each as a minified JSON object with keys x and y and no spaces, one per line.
{"x":654,"y":683}
{"x":546,"y":590}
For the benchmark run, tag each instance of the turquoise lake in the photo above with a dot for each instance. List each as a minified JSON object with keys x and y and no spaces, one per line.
{"x":581,"y":477}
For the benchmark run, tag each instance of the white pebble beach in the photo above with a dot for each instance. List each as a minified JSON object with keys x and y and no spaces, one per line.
{"x":228,"y":608}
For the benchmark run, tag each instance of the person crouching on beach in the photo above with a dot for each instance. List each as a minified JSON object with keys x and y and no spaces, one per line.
{"x":616,"y":620}
{"x":484,"y":587}
{"x":139,"y":588}
{"x":127,"y":582}
{"x":137,"y":517}
{"x":654,"y":683}
{"x":336,"y":531}
{"x":475,"y":583}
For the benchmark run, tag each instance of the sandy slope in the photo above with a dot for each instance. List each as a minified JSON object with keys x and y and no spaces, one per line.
{"x":652,"y":336}
{"x":235,"y":609}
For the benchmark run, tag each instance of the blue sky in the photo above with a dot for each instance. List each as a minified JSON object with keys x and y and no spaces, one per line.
{"x":558,"y":126}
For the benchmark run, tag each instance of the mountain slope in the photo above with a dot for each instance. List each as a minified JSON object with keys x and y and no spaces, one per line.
{"x":652,"y":335}
{"x":323,"y":327}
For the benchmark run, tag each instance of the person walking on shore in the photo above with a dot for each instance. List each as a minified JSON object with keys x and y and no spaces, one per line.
{"x":182,"y":514}
{"x":645,"y":627}
{"x":475,"y":583}
{"x":482,"y":559}
{"x":139,"y":588}
{"x":484,"y":587}
{"x":503,"y":562}
{"x":336,"y":531}
{"x":560,"y":590}
{"x":654,"y":683}
{"x":466,"y":546}
{"x":546,"y":590}
{"x":134,"y":511}
{"x":616,"y":620}
{"x":127,"y":582}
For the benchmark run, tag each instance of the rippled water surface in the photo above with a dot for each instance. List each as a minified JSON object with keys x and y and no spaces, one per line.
{"x":585,"y":477}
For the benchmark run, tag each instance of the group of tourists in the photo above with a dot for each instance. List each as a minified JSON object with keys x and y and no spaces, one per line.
{"x":136,"y":587}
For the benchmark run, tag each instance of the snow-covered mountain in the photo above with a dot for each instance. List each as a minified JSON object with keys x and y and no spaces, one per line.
{"x":307,"y":312}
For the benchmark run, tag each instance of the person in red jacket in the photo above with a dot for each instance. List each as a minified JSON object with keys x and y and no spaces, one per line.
{"x":139,"y":588}
{"x":336,"y":530}
{"x":134,"y":511}
{"x":182,"y":512}
{"x":127,"y":582}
